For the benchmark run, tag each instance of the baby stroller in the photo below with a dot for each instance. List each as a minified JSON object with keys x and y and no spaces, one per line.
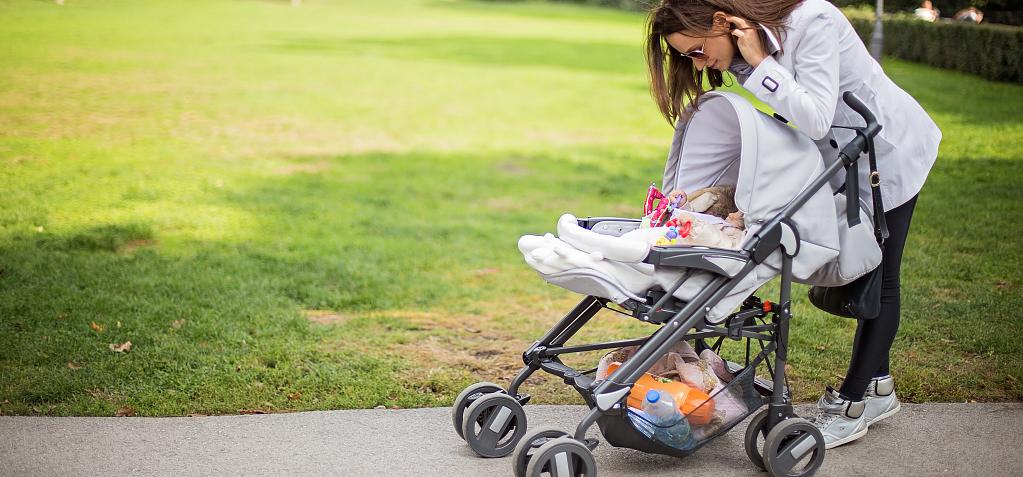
{"x":796,"y":229}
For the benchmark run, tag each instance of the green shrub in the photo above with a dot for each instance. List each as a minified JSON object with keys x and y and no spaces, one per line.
{"x":637,"y":5}
{"x":992,"y":51}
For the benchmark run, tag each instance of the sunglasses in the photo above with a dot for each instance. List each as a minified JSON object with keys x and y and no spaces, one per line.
{"x":696,"y":54}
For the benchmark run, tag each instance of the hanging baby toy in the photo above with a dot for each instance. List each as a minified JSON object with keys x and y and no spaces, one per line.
{"x":659,"y":215}
{"x":687,"y":224}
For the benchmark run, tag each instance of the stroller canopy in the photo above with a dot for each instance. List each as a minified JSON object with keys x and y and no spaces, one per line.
{"x":729,"y":142}
{"x":725,"y":142}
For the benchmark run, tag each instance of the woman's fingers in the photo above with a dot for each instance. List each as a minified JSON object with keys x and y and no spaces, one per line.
{"x":739,"y":22}
{"x":750,"y":46}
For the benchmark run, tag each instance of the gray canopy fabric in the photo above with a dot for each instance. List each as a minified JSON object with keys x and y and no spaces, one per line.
{"x":725,"y":142}
{"x":771,"y":166}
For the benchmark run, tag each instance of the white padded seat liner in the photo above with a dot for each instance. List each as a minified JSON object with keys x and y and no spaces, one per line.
{"x":631,"y":246}
{"x":592,"y":272}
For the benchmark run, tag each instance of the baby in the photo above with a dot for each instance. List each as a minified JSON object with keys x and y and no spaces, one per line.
{"x":694,"y":228}
{"x":707,"y":218}
{"x":714,"y":200}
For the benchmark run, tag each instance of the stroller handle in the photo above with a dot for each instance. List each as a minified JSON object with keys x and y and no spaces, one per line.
{"x":859,"y":143}
{"x":872,"y":128}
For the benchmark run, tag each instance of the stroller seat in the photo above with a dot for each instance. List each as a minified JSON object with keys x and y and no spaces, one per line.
{"x":617,"y":260}
{"x":623,"y":267}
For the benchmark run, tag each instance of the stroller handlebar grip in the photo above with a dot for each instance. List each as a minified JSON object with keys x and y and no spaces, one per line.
{"x":872,"y":128}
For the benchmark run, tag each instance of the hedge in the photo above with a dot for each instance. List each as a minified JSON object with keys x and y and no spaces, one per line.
{"x":637,"y":5}
{"x":992,"y":51}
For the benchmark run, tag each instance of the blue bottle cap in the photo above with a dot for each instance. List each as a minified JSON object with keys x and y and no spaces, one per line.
{"x":652,"y":396}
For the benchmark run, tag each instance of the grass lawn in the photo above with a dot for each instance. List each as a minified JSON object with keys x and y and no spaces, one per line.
{"x":317,"y":207}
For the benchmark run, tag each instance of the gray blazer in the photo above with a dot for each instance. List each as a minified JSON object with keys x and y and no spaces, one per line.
{"x":821,"y":57}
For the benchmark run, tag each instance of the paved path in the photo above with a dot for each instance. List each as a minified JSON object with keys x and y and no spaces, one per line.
{"x":924,"y":440}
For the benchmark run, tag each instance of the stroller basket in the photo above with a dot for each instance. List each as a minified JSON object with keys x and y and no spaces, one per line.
{"x":732,"y":404}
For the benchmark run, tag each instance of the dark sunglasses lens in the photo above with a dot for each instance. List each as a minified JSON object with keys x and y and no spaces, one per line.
{"x":698,"y":55}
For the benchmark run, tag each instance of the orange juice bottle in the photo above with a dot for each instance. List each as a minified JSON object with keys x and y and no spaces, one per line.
{"x":691,"y":402}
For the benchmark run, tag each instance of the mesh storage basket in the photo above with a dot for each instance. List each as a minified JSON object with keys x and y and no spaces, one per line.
{"x":732,"y":404}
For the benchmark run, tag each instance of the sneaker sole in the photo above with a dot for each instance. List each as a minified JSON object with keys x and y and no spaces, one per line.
{"x":847,"y":439}
{"x":886,"y":415}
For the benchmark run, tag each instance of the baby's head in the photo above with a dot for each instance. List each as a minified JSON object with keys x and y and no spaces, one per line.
{"x":736,"y":219}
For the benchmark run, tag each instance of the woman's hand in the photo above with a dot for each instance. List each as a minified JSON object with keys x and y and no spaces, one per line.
{"x":748,"y":38}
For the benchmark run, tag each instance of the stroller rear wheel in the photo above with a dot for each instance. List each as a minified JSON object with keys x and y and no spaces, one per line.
{"x":466,"y":398}
{"x":493,"y":424}
{"x":794,"y":448}
{"x":562,"y":457}
{"x":528,"y":446}
{"x":756,"y":434}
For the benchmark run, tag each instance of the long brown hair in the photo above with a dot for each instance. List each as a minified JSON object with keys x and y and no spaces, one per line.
{"x":673,"y":77}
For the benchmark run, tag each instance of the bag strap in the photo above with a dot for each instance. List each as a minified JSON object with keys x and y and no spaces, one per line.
{"x":880,"y":224}
{"x":852,"y":192}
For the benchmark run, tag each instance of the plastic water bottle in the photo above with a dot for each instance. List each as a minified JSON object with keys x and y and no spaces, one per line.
{"x":666,"y":423}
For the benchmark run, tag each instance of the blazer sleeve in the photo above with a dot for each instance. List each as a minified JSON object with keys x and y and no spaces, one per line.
{"x":807,"y":96}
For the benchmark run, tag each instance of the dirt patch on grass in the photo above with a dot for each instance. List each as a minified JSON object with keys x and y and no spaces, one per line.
{"x":513,"y":167}
{"x":286,"y":136}
{"x":311,"y":168}
{"x":948,"y":295}
{"x":504,"y":204}
{"x":131,"y":246}
{"x":326,"y":317}
{"x":459,"y":348}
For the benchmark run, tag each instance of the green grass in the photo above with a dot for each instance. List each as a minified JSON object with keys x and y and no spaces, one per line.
{"x":317,"y":207}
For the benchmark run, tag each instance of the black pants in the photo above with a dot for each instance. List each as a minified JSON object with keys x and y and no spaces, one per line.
{"x":874,"y":338}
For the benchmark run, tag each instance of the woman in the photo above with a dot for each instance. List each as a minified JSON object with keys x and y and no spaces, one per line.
{"x":799,"y":56}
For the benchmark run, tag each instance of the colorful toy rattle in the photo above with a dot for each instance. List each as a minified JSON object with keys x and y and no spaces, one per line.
{"x":658,"y":215}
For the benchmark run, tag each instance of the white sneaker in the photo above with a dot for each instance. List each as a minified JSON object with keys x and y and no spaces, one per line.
{"x":840,"y":421}
{"x":880,"y":399}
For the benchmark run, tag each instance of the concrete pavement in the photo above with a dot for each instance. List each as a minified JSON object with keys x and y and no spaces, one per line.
{"x":924,"y":440}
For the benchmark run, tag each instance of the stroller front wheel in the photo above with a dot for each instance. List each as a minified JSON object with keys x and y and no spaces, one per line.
{"x":794,"y":448}
{"x":560,"y":457}
{"x":493,"y":424}
{"x":469,"y":395}
{"x":528,"y":446}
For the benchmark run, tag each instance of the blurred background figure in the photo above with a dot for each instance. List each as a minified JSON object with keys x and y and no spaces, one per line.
{"x":970,"y":15}
{"x":926,"y":12}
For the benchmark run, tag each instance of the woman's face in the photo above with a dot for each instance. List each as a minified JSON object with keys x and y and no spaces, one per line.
{"x":718,"y":47}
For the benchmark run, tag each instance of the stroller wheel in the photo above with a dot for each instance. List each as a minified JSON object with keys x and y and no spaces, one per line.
{"x":794,"y":448}
{"x":466,"y":398}
{"x":756,"y":433}
{"x":562,"y":457}
{"x":493,"y":424}
{"x":529,"y":444}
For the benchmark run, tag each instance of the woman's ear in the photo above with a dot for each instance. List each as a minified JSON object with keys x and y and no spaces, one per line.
{"x":720,"y":22}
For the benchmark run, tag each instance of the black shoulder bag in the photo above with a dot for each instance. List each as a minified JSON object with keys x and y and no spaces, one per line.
{"x":860,"y":299}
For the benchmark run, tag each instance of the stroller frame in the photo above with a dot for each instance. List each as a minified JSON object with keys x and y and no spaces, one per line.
{"x":685,"y":321}
{"x":604,"y":396}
